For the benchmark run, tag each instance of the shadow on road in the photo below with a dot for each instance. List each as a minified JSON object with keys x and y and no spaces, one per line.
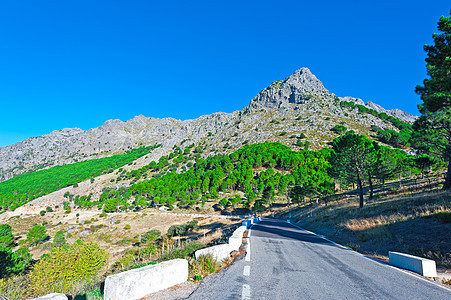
{"x":269,"y":228}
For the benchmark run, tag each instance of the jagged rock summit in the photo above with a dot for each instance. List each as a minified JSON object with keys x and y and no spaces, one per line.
{"x":280,"y":112}
{"x":299,"y":88}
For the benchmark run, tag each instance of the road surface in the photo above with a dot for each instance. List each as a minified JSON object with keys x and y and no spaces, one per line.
{"x":286,"y":262}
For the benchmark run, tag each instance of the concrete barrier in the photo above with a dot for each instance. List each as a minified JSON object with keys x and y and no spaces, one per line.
{"x":219,"y":252}
{"x":423,"y":266}
{"x":247,"y":223}
{"x":137,"y":283}
{"x":53,"y":296}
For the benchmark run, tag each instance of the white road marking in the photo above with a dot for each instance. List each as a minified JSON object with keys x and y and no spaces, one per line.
{"x":246,"y":292}
{"x":248,"y":251}
{"x":373,"y":260}
{"x":247,"y":270}
{"x":249,"y":233}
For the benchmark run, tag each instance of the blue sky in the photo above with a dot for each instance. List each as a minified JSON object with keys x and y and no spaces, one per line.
{"x":79,"y":63}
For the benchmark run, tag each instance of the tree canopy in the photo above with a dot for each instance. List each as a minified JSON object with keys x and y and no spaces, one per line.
{"x":434,"y":125}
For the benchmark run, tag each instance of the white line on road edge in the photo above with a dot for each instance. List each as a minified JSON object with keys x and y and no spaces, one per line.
{"x":373,"y":260}
{"x":248,"y":250}
{"x":246,"y":292}
{"x":247,"y":271}
{"x":249,"y":232}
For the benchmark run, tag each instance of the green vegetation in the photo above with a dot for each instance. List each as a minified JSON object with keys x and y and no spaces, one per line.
{"x":37,"y":234}
{"x":11,"y":262}
{"x":6,"y":235}
{"x":339,"y":129}
{"x":150,"y":236}
{"x":203,"y":266}
{"x":363,"y":109}
{"x":182,"y":229}
{"x":26,"y":187}
{"x":68,"y":269}
{"x":433,"y":128}
{"x":251,"y":169}
{"x":59,"y":239}
{"x":355,"y":158}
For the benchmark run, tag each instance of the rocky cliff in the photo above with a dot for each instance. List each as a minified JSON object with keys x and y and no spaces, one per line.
{"x":298,"y":104}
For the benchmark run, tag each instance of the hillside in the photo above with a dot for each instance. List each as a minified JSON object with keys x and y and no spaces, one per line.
{"x":282,"y":111}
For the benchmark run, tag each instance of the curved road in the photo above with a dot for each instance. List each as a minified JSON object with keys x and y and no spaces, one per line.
{"x":286,"y":262}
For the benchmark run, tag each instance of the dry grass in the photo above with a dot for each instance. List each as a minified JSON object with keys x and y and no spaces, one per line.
{"x":110,"y":231}
{"x":404,"y":222}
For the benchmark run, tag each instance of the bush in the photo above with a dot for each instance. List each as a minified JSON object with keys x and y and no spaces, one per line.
{"x":14,"y":288}
{"x":59,"y":239}
{"x":127,"y":226}
{"x":339,"y":129}
{"x":48,"y":209}
{"x":42,"y":212}
{"x":150,"y":236}
{"x":203,"y":266}
{"x":37,"y":234}
{"x":68,"y":269}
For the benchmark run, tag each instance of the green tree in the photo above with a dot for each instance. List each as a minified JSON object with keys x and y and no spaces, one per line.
{"x":37,"y":234}
{"x":235,"y":200}
{"x":433,"y":128}
{"x":298,"y":193}
{"x":352,"y":158}
{"x":6,"y":235}
{"x":424,"y":162}
{"x":10,"y":262}
{"x":59,"y":239}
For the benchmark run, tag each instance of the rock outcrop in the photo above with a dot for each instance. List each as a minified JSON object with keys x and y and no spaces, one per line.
{"x":299,"y":88}
{"x":298,"y":104}
{"x":397,"y":113}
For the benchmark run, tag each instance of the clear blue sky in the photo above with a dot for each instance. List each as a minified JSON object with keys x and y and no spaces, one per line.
{"x":80,"y":63}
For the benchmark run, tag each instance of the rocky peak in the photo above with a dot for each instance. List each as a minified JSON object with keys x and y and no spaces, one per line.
{"x":299,"y":88}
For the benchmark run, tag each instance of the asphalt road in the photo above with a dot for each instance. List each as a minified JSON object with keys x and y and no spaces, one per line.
{"x":285,"y":262}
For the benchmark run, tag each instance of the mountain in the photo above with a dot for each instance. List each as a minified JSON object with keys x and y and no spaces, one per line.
{"x":280,"y":112}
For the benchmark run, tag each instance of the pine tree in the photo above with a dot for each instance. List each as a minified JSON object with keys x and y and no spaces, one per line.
{"x":433,"y":128}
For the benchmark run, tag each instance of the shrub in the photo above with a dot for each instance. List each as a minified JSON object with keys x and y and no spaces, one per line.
{"x":339,"y":129}
{"x":48,"y":209}
{"x":150,"y":236}
{"x":14,"y":288}
{"x":68,"y":269}
{"x":127,"y":226}
{"x":37,"y":234}
{"x":42,"y":212}
{"x":59,"y":239}
{"x":203,"y":266}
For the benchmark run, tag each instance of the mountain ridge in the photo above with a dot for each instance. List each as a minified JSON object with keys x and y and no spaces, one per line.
{"x":300,"y":103}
